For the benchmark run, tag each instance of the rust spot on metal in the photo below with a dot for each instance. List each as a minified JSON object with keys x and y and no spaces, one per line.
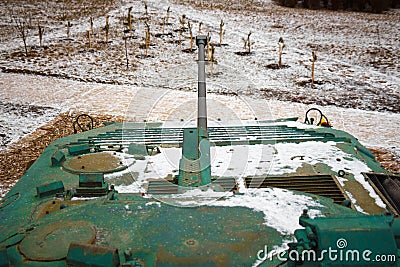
{"x":364,"y":200}
{"x":94,"y":162}
{"x":163,"y":256}
{"x":52,"y":206}
{"x":191,"y":242}
{"x":50,"y":242}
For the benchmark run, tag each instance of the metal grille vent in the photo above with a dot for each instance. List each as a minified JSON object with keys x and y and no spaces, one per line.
{"x":162,"y":186}
{"x":388,"y":188}
{"x":321,"y":185}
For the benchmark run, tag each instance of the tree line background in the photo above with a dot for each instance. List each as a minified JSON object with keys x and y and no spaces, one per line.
{"x":375,"y":6}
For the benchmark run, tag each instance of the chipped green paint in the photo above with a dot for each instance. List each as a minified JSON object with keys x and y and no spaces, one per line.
{"x":144,"y":231}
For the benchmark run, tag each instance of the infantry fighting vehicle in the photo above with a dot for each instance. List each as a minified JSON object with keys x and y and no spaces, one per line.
{"x":254,"y":193}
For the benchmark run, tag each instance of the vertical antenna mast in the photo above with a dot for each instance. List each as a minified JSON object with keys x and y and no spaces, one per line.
{"x":202,"y":132}
{"x":201,"y":42}
{"x":194,"y":167}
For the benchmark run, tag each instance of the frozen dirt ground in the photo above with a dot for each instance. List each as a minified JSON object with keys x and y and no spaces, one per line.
{"x":357,"y":70}
{"x":357,"y":53}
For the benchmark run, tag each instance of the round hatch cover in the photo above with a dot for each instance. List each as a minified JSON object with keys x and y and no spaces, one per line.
{"x":51,"y":242}
{"x":95,"y":162}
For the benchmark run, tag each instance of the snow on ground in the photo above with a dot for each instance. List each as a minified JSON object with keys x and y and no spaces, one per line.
{"x":357,"y":66}
{"x":372,"y":128}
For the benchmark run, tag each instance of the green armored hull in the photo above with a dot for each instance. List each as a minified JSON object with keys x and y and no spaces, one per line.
{"x":248,"y":193}
{"x":128,"y":212}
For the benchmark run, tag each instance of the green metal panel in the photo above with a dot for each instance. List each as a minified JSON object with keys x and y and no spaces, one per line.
{"x":81,"y":255}
{"x":189,"y":165}
{"x":91,"y":191}
{"x":91,"y":179}
{"x":79,"y":149}
{"x":91,"y":185}
{"x":50,"y":189}
{"x":137,"y":150}
{"x":3,"y":258}
{"x":345,"y":241}
{"x":190,"y":144}
{"x":205,"y":161}
{"x":57,"y":158}
{"x":195,"y":169}
{"x":161,"y":234}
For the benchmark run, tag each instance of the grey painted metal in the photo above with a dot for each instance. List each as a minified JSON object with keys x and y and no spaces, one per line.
{"x":201,"y":41}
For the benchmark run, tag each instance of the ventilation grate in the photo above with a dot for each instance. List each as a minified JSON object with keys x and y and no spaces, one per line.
{"x":388,"y":188}
{"x":227,"y":183}
{"x":321,"y":185}
{"x":162,"y":186}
